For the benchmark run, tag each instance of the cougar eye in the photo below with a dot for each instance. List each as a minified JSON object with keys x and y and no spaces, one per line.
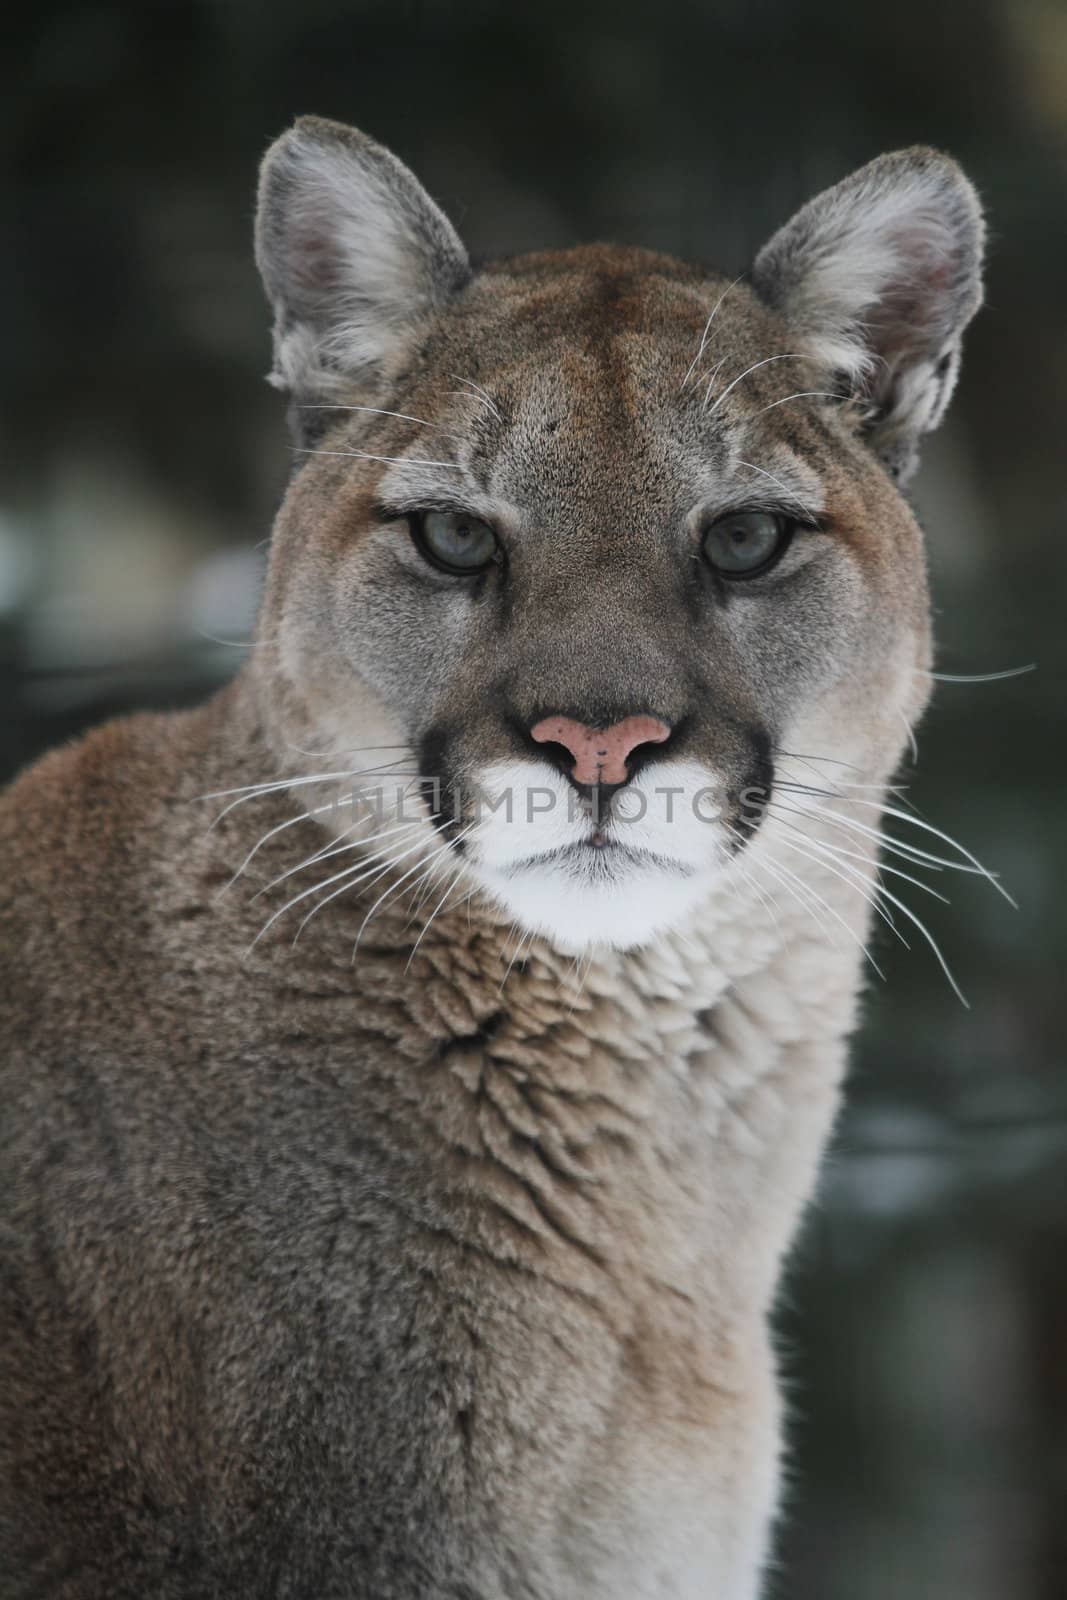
{"x":746,"y":542}
{"x":455,"y":541}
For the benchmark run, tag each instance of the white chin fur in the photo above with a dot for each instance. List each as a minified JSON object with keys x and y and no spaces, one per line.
{"x":665,"y":862}
{"x":576,"y":912}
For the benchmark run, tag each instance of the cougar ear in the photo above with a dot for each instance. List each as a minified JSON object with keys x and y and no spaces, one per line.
{"x":354,"y":255}
{"x":878,"y":277}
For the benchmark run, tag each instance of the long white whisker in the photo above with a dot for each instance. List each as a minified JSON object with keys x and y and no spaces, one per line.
{"x":305,"y":816}
{"x":834,"y":761}
{"x":337,"y":848}
{"x":236,"y":644}
{"x":837,"y":850}
{"x":931,"y":941}
{"x":272,"y":784}
{"x":764,"y":898}
{"x":913,"y":743}
{"x":801,"y":394}
{"x":392,"y":889}
{"x":797,"y":501}
{"x":580,"y":978}
{"x":928,"y":827}
{"x":791,"y":355}
{"x":712,"y":375}
{"x":438,"y":908}
{"x":378,"y":411}
{"x":314,"y":889}
{"x":381,"y":862}
{"x":421,"y":888}
{"x":852,"y":878}
{"x":365,"y":455}
{"x":976,"y":677}
{"x":255,"y":791}
{"x":853,"y":935}
{"x":355,"y":750}
{"x":479,"y":394}
{"x":737,"y":864}
{"x":523,"y":939}
{"x":780,"y":866}
{"x":839,"y":787}
{"x":778,"y":871}
{"x":889,"y":841}
{"x":707,"y":328}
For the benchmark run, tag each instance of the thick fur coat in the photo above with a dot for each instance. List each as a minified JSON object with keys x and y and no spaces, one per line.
{"x":394,"y":1187}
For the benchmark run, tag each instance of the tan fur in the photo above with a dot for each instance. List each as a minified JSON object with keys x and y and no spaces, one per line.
{"x":419,"y":1257}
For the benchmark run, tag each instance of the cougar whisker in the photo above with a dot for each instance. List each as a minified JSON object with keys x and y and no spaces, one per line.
{"x":852,"y":934}
{"x":976,"y":677}
{"x":314,"y":889}
{"x":897,"y":846}
{"x":336,"y":848}
{"x":837,"y":850}
{"x":450,"y":888}
{"x":707,"y":328}
{"x":765,"y":861}
{"x":380,"y":411}
{"x":392,"y":889}
{"x":792,"y":495}
{"x":364,"y":455}
{"x":946,"y":838}
{"x":792,"y":355}
{"x":801,"y":394}
{"x":382,"y":863}
{"x":851,"y":876}
{"x":478,"y":394}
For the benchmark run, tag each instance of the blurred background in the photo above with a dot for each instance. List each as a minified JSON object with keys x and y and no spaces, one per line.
{"x":924,"y":1324}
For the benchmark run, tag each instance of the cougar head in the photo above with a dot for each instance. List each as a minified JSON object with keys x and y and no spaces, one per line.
{"x":592,"y":541}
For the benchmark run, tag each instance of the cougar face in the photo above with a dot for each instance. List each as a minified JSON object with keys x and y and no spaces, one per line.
{"x":592,"y":542}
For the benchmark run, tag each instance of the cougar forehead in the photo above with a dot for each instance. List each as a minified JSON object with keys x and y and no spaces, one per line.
{"x":590,"y":390}
{"x":587,"y":403}
{"x":567,"y":362}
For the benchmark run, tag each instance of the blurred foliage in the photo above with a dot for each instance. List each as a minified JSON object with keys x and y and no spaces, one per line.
{"x":925,"y":1324}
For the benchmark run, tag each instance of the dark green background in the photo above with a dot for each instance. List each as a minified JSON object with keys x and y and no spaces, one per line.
{"x":924,"y":1325}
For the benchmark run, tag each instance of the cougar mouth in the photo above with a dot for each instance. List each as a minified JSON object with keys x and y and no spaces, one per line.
{"x":600,"y":855}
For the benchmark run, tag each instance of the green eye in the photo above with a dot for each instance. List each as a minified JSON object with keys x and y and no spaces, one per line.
{"x":455,"y":541}
{"x":746,"y":542}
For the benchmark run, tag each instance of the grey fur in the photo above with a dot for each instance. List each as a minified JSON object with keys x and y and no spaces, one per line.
{"x":882,"y":274}
{"x":355,"y":258}
{"x":399,"y":1261}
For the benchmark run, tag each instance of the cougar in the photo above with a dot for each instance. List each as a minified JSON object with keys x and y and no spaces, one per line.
{"x":418,"y":1058}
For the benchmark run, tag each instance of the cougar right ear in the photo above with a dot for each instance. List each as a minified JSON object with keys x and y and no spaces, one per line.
{"x":878,"y":277}
{"x":355,"y":258}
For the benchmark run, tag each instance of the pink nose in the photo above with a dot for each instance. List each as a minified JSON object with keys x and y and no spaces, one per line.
{"x":600,"y":754}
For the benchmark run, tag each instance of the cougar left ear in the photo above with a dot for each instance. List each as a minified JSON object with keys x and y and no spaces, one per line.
{"x":878,"y":277}
{"x":355,"y":258}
